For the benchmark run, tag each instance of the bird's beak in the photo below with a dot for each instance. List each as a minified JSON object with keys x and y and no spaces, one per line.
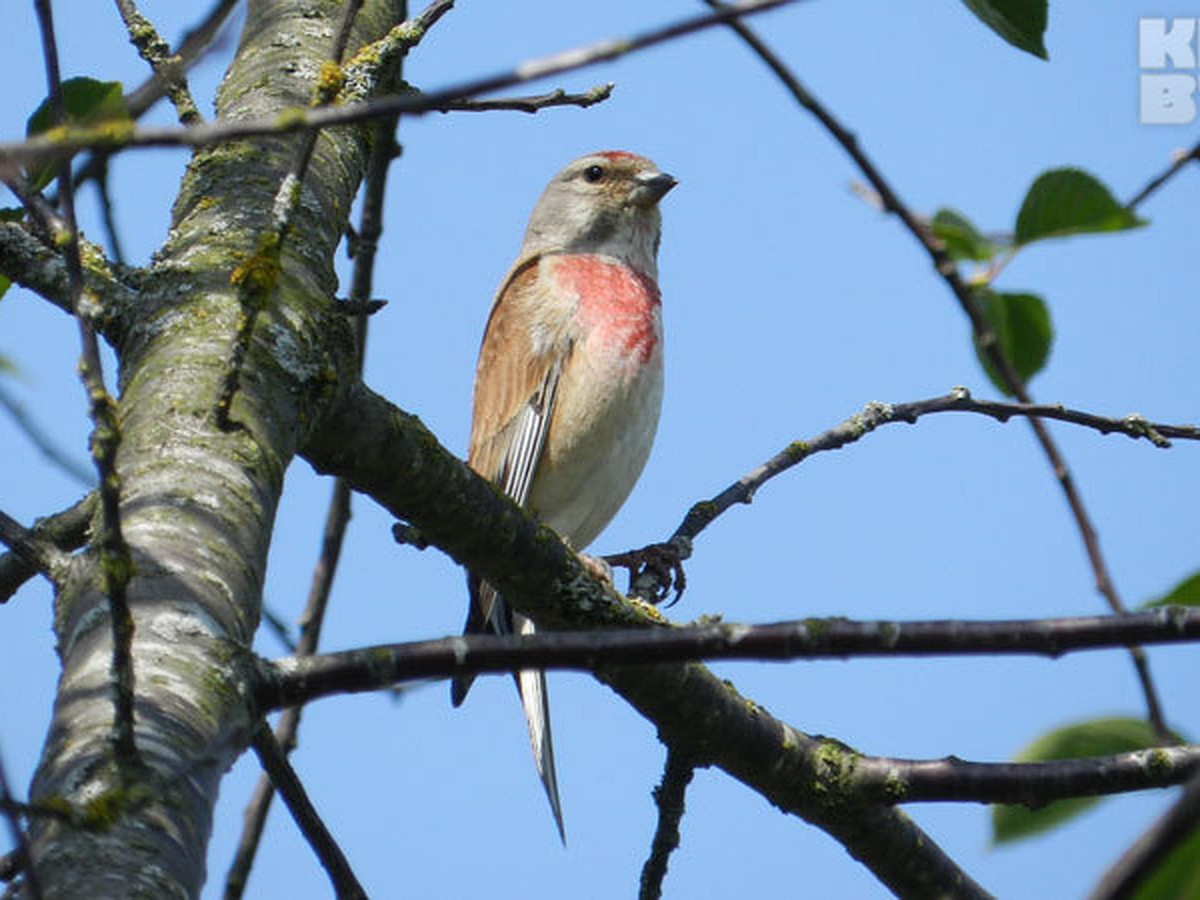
{"x":652,"y":188}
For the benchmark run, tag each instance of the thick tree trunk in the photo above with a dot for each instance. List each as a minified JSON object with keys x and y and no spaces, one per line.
{"x":197,"y":502}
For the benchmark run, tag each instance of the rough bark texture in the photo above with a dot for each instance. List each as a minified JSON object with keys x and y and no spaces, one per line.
{"x":197,"y":504}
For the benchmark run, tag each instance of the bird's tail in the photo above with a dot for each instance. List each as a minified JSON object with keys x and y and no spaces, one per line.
{"x":531,"y":683}
{"x":488,"y":614}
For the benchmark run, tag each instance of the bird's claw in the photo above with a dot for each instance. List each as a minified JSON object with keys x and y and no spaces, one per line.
{"x":653,"y":570}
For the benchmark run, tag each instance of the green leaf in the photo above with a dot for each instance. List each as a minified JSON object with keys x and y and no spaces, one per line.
{"x":1186,"y":593}
{"x":12,"y":214}
{"x":1020,"y":22}
{"x":86,"y":101}
{"x":1177,"y":877}
{"x":1023,"y":331}
{"x":1069,"y":201}
{"x":1099,"y":737}
{"x":962,"y":239}
{"x":5,"y":284}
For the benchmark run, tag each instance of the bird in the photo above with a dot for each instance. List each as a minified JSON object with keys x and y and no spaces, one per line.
{"x":569,"y":381}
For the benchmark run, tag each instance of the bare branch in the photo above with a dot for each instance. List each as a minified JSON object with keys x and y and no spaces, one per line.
{"x":22,"y":859}
{"x":389,"y":455}
{"x":73,"y":140}
{"x":154,"y":50}
{"x":985,"y":338}
{"x":192,"y":47}
{"x":301,"y":679}
{"x":1158,"y":181}
{"x":889,"y":780}
{"x":1140,"y":861}
{"x":305,"y":815}
{"x":874,"y":415}
{"x":116,"y":566}
{"x":559,"y":97}
{"x":255,"y":817}
{"x":669,"y":798}
{"x":36,"y":554}
{"x":40,"y":268}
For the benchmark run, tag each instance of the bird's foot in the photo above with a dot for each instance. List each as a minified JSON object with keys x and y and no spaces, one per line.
{"x":655,"y":568}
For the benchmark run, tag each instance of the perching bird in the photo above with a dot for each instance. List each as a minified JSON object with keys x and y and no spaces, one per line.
{"x":570,"y":378}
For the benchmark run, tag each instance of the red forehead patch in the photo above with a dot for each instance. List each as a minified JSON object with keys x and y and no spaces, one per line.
{"x":615,"y":155}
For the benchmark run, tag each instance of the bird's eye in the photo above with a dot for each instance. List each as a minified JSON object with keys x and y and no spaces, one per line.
{"x":593,"y":173}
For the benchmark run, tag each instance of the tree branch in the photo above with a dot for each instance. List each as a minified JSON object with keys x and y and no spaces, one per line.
{"x":73,"y":140}
{"x":292,"y":681}
{"x":383,"y":147}
{"x":41,"y":269}
{"x":195,"y":43}
{"x":21,"y":860}
{"x":984,"y":334}
{"x":888,"y":780}
{"x":558,"y":97}
{"x":307,"y":819}
{"x":1159,"y":180}
{"x":669,"y":798}
{"x":116,"y":565}
{"x":389,"y":455}
{"x":66,"y":530}
{"x":36,"y":553}
{"x":876,"y":414}
{"x":1140,"y":861}
{"x":155,"y":51}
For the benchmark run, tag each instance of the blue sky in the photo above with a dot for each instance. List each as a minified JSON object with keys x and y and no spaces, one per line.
{"x":789,"y":303}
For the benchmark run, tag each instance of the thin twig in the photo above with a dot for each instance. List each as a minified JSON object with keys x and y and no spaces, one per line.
{"x":192,"y":47}
{"x":884,"y":779}
{"x":255,"y":817}
{"x":73,"y":140}
{"x":284,"y":777}
{"x":168,"y":67}
{"x":23,"y":858}
{"x":985,"y":337}
{"x":106,"y":207}
{"x":1159,"y":180}
{"x":67,"y":530}
{"x":1124,"y":878}
{"x":558,"y":97}
{"x":874,"y":415}
{"x":36,"y":553}
{"x":302,"y":679}
{"x":669,"y":798}
{"x":115,"y":564}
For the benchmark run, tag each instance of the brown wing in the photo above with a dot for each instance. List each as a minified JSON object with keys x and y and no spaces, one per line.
{"x":516,"y":382}
{"x":525,"y":346}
